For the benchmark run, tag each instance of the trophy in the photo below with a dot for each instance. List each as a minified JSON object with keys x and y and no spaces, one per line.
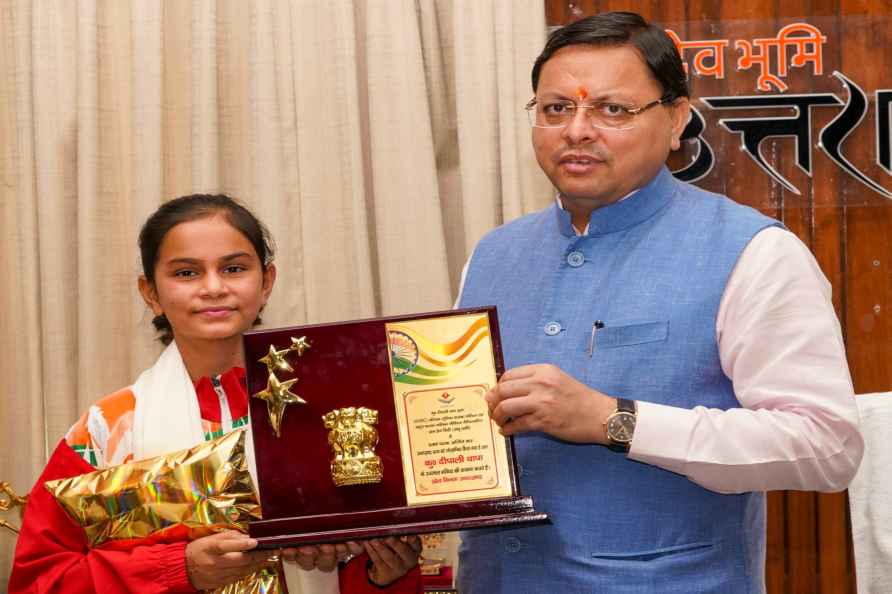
{"x":379,"y":427}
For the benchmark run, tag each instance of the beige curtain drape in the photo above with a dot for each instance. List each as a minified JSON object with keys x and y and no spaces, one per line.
{"x":377,"y":139}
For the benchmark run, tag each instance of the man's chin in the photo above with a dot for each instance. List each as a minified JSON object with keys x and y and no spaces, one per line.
{"x":587,"y":198}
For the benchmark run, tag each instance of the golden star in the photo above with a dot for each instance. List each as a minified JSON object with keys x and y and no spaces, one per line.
{"x":278,"y":395}
{"x":276,"y":360}
{"x":299,"y":345}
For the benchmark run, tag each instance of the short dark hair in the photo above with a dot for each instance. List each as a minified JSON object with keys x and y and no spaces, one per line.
{"x":621,"y":28}
{"x":191,"y":208}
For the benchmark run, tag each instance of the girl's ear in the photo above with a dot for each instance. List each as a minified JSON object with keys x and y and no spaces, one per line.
{"x":149,"y":295}
{"x":269,"y":279}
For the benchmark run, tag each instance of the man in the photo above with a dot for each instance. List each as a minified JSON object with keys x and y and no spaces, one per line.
{"x":671,"y":354}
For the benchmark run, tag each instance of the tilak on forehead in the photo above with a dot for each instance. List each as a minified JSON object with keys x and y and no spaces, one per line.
{"x":581,"y":93}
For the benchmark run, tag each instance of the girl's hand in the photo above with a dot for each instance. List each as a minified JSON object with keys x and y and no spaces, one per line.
{"x":392,"y":557}
{"x":220,"y":559}
{"x":324,"y":557}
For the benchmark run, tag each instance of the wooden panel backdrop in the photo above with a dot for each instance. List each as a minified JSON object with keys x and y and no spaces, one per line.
{"x":847,"y":225}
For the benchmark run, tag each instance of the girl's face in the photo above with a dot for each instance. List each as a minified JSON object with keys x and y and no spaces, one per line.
{"x":209,"y":281}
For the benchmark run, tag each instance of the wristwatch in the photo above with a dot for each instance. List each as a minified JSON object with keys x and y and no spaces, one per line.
{"x":620,"y":425}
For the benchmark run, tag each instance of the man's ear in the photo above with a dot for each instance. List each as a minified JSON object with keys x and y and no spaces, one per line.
{"x":269,"y":279}
{"x":149,"y":295}
{"x":680,"y":112}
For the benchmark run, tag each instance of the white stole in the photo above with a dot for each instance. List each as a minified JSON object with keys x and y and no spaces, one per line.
{"x":167,"y":418}
{"x":870,"y":497}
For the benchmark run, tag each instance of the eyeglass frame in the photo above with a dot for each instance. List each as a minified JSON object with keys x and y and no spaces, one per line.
{"x":633,"y":111}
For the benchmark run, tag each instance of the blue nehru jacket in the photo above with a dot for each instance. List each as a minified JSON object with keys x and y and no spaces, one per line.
{"x":648,"y":276}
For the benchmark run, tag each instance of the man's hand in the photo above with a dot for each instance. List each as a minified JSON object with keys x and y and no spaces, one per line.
{"x":324,"y":557}
{"x":392,"y":557}
{"x":544,"y":398}
{"x":220,"y":559}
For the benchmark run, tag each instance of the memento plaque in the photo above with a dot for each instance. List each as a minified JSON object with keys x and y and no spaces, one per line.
{"x":380,"y":427}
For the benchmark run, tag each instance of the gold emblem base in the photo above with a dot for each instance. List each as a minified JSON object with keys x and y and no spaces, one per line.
{"x":357,"y":471}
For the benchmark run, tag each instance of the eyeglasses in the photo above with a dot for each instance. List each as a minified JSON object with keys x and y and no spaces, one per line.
{"x":603,"y":114}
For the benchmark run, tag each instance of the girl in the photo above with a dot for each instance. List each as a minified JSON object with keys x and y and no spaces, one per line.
{"x":207,"y":273}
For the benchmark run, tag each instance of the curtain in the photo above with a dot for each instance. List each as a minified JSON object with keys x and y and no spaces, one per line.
{"x":378,"y":140}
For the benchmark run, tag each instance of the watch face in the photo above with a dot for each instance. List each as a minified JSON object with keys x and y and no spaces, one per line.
{"x":621,"y":427}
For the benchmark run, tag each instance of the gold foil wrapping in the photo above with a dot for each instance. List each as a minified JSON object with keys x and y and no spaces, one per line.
{"x":179,"y":496}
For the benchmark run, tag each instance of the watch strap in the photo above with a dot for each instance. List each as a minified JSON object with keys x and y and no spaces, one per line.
{"x":624,"y":405}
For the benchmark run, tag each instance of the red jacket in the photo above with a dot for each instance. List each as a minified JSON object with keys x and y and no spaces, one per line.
{"x":52,"y":553}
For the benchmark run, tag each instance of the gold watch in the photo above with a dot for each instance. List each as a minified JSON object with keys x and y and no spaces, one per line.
{"x":620,"y":425}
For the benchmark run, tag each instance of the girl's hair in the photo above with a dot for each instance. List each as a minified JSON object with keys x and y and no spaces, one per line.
{"x":190,"y":208}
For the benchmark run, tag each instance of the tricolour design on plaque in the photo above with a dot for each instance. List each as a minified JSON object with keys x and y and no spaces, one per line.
{"x":454,"y":451}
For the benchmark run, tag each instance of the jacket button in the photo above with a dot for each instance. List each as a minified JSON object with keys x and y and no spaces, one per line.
{"x":575,"y":259}
{"x":552,"y":328}
{"x":512,"y":544}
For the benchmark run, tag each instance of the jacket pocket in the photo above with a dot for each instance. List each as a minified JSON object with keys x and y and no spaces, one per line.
{"x":654,"y":554}
{"x":611,"y":337}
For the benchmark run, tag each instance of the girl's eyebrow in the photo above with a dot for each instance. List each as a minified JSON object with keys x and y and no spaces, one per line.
{"x":176,"y":261}
{"x":195,"y":261}
{"x":235,"y":256}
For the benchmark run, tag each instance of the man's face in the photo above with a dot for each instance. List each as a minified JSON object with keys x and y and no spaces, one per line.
{"x":592,"y":167}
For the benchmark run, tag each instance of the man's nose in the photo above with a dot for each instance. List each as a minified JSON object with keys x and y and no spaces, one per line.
{"x":579,"y":130}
